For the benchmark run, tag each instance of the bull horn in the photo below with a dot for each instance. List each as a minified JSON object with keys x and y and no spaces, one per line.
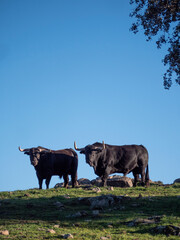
{"x":23,"y":150}
{"x":77,"y":149}
{"x":104,"y":146}
{"x":20,"y":149}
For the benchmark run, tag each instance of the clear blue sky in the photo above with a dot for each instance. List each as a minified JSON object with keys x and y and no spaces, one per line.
{"x":72,"y":70}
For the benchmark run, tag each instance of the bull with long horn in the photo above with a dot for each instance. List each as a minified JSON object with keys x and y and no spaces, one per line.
{"x":107,"y":159}
{"x":49,"y":162}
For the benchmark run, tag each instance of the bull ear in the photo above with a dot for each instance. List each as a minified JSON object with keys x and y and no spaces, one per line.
{"x":27,"y":153}
{"x":82,"y":151}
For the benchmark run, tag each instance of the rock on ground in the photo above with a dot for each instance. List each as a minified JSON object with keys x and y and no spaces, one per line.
{"x":68,"y":236}
{"x":168,"y":230}
{"x":51,"y":231}
{"x":176,"y":180}
{"x":4,"y":232}
{"x":103,"y":201}
{"x":112,"y":181}
{"x":84,"y":181}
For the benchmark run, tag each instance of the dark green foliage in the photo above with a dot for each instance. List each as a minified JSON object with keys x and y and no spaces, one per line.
{"x":161,"y":18}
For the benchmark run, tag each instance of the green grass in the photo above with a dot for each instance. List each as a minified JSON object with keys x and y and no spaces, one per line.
{"x":30,"y":214}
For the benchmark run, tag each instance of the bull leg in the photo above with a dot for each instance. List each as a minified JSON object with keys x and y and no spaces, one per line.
{"x":40,"y":180}
{"x":143,"y":178}
{"x":147,"y":176}
{"x":135,"y":179}
{"x":66,"y":180}
{"x":104,"y":181}
{"x":74,"y":180}
{"x":48,"y":179}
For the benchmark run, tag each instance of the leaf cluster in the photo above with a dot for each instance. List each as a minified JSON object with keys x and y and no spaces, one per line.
{"x":161,"y":18}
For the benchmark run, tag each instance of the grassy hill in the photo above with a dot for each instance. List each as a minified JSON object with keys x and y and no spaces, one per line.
{"x":131,"y":213}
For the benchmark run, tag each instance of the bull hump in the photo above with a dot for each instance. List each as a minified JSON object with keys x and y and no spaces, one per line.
{"x":97,"y":144}
{"x":67,"y":151}
{"x":41,"y":147}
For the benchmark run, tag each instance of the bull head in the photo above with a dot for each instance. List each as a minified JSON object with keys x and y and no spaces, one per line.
{"x":34,"y":154}
{"x":91,"y":152}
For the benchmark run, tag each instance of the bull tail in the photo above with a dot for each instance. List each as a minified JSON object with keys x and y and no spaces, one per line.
{"x":147,"y":176}
{"x":75,"y":155}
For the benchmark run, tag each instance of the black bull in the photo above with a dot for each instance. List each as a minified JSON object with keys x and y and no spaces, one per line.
{"x":49,"y":162}
{"x":107,"y":159}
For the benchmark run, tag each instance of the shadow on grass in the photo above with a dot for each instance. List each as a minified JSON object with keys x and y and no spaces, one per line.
{"x":47,"y":209}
